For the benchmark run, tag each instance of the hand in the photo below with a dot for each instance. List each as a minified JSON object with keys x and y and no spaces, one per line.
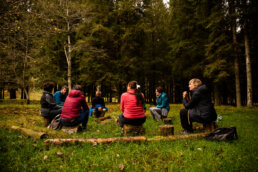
{"x":100,"y":108}
{"x":184,"y":94}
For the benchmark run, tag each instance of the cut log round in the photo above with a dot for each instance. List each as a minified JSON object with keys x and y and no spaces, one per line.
{"x":166,"y":130}
{"x":72,"y":130}
{"x":46,"y":122}
{"x":133,"y":129}
{"x":209,"y":127}
{"x":167,"y":120}
{"x":29,"y":132}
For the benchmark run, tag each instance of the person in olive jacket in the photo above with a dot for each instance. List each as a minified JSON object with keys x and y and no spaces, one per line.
{"x":162,"y":108}
{"x":198,"y":106}
{"x":49,"y":108}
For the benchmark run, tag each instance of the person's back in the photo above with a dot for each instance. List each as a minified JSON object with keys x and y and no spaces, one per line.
{"x":129,"y":105}
{"x":75,"y":110}
{"x":75,"y":101}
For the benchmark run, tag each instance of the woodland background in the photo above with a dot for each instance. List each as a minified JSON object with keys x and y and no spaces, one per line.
{"x":110,"y":42}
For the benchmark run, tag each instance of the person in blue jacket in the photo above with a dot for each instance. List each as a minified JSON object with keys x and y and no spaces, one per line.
{"x":161,"y":110}
{"x":61,"y":95}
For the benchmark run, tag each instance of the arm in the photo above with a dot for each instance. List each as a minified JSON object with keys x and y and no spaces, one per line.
{"x":103,"y":102}
{"x":84,"y":103}
{"x":193,"y":101}
{"x":93,"y":103}
{"x":122,"y":103}
{"x":50,"y":100}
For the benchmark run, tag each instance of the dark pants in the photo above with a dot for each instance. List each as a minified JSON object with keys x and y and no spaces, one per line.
{"x":185,"y":121}
{"x":84,"y":116}
{"x":135,"y":121}
{"x":53,"y":113}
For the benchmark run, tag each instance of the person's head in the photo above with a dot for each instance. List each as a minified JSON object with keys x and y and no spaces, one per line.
{"x":77,"y":87}
{"x":137,"y":92}
{"x":48,"y":86}
{"x":194,"y":83}
{"x":159,"y":90}
{"x":132,"y":85}
{"x":64,"y":89}
{"x":98,"y":93}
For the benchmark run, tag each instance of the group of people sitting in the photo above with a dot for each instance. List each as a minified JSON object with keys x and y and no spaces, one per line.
{"x":74,"y":109}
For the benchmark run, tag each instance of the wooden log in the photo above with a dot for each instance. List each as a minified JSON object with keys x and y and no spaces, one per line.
{"x":166,"y":130}
{"x":72,"y":130}
{"x":95,"y":141}
{"x":139,"y":139}
{"x":133,"y":129}
{"x":29,"y":132}
{"x":102,"y":118}
{"x":167,"y":120}
{"x":209,"y":127}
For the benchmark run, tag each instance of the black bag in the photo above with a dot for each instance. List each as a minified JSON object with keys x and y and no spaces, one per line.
{"x":223,"y":134}
{"x":56,"y":123}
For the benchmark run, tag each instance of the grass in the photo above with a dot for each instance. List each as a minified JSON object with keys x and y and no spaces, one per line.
{"x":19,"y":153}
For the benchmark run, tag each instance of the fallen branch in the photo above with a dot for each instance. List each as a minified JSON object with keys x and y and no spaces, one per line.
{"x":102,"y":118}
{"x":96,"y":141}
{"x":29,"y":132}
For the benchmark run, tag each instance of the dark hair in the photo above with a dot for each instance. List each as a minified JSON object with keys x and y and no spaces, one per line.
{"x":77,"y":87}
{"x":64,"y":87}
{"x":138,"y":93}
{"x":159,"y":89}
{"x":48,"y":86}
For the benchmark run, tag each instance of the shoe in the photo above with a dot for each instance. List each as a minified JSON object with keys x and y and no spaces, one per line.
{"x":84,"y":128}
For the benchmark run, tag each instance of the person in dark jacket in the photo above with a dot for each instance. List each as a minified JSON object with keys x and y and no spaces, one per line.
{"x":75,"y":109}
{"x":49,"y":108}
{"x":61,"y":95}
{"x":161,"y":110}
{"x":98,"y":105}
{"x":198,"y":106}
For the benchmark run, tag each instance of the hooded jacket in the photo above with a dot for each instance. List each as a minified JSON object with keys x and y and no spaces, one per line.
{"x":162,"y":101}
{"x":74,"y":103}
{"x":47,"y":103}
{"x":200,"y":106}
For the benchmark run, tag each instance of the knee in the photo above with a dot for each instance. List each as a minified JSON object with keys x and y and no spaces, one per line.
{"x":183,"y":112}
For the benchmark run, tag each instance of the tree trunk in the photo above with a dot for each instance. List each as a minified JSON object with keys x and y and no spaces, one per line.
{"x":248,"y":71}
{"x":236,"y":66}
{"x":216,"y":95}
{"x":12,"y":93}
{"x":26,"y":91}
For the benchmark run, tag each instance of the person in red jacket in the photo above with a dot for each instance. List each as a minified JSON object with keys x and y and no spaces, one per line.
{"x":75,"y":109}
{"x":132,"y":106}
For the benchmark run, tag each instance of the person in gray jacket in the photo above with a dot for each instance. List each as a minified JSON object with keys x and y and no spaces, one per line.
{"x":198,"y":106}
{"x":49,"y":108}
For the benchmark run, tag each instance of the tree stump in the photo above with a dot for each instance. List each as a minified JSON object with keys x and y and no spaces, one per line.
{"x":209,"y":127}
{"x":45,"y":121}
{"x":167,"y":120}
{"x":133,"y":129}
{"x":166,"y":130}
{"x":72,"y":130}
{"x":29,"y":132}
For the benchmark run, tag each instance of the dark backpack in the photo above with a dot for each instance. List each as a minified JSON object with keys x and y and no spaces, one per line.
{"x":56,"y":123}
{"x":223,"y":134}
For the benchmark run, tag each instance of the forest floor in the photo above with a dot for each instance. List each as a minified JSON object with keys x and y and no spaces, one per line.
{"x":20,"y":153}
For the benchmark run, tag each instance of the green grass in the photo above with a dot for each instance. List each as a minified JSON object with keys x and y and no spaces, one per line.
{"x":19,"y":153}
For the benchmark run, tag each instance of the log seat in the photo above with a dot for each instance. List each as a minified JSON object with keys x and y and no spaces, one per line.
{"x":133,"y":129}
{"x":72,"y":130}
{"x":209,"y":127}
{"x":166,"y":130}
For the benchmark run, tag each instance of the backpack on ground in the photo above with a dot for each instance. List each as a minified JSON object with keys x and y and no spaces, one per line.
{"x":56,"y":123}
{"x":223,"y":134}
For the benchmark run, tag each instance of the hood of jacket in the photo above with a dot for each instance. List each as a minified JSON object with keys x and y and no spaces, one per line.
{"x":75,"y":93}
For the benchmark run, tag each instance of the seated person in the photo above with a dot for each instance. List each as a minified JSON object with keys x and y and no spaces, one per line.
{"x":198,"y":106}
{"x":98,"y":105}
{"x":132,"y":106}
{"x":75,"y":110}
{"x":61,"y":95}
{"x":49,"y":108}
{"x":161,"y":110}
